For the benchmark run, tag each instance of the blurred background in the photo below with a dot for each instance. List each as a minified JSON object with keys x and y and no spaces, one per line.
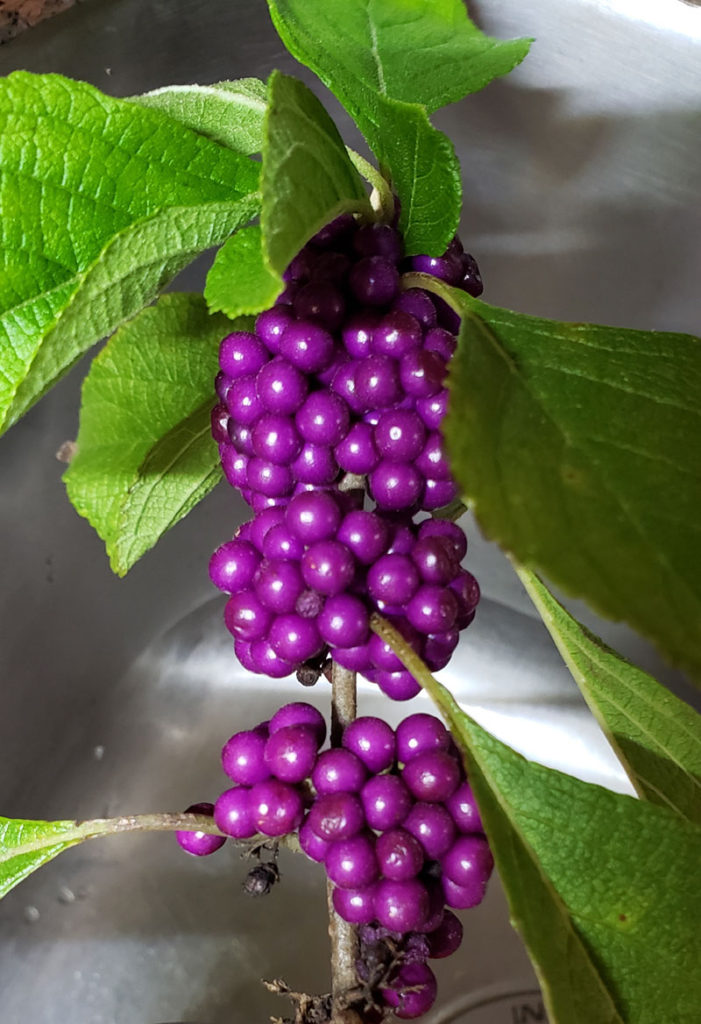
{"x":581,"y":174}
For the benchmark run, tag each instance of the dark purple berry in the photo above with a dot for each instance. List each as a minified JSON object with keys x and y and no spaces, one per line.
{"x":337,"y":816}
{"x":242,"y":353}
{"x":399,"y":855}
{"x":243,"y":758}
{"x":433,"y":461}
{"x":419,"y":304}
{"x":372,"y":741}
{"x":271,"y":325}
{"x":321,"y":303}
{"x":386,"y":801}
{"x":401,"y":906}
{"x":356,"y":453}
{"x":357,"y":906}
{"x":468,"y":862}
{"x":471,"y":280}
{"x":395,"y":485}
{"x":313,"y":516}
{"x":316,"y":465}
{"x":307,"y":346}
{"x":290,"y":753}
{"x":400,"y":435}
{"x":295,"y":638}
{"x":357,"y":334}
{"x":323,"y":419}
{"x":399,"y":685}
{"x":338,"y":771}
{"x":351,"y":863}
{"x":433,"y":826}
{"x":378,"y":240}
{"x":246,"y":617}
{"x":377,"y":382}
{"x":278,"y":584}
{"x":432,"y":609}
{"x":364,"y":534}
{"x":281,"y":387}
{"x":463,"y":809}
{"x":280,"y":544}
{"x":420,"y":733}
{"x":233,"y":813}
{"x":396,"y":334}
{"x":422,"y":373}
{"x":299,"y":713}
{"x":393,"y":579}
{"x":267,"y":661}
{"x":412,"y":991}
{"x":446,"y":938}
{"x":344,"y":621}
{"x":313,"y":845}
{"x":374,"y":281}
{"x":275,"y":438}
{"x":447,"y":267}
{"x":328,"y":566}
{"x":233,"y":566}
{"x":432,"y":776}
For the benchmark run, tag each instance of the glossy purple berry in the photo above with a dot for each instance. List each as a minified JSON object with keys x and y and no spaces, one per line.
{"x":467,"y":591}
{"x":450,"y":532}
{"x":432,"y":410}
{"x":243,"y":402}
{"x":271,"y":325}
{"x":315,"y":465}
{"x":313,"y":516}
{"x":438,"y":494}
{"x":434,"y":560}
{"x":357,"y":906}
{"x":281,"y":387}
{"x":295,"y":638}
{"x":447,"y":267}
{"x":357,"y":453}
{"x":433,"y":826}
{"x":365,"y":535}
{"x":337,"y":816}
{"x":386,"y":801}
{"x":399,"y":685}
{"x":412,"y":991}
{"x":307,"y":345}
{"x":422,"y":373}
{"x":468,"y":862}
{"x":290,"y":753}
{"x":471,"y":280}
{"x":438,"y":648}
{"x":278,"y":584}
{"x":313,"y":845}
{"x":233,"y":813}
{"x":420,"y":733}
{"x":378,"y":240}
{"x":432,"y":461}
{"x":243,"y":758}
{"x":267,"y":661}
{"x":268,"y":478}
{"x":399,"y":435}
{"x":393,"y":579}
{"x":396,"y":334}
{"x":446,"y":938}
{"x":432,"y":776}
{"x":280,"y":544}
{"x":399,"y":855}
{"x":357,"y":334}
{"x":196,"y":842}
{"x":233,"y":566}
{"x":323,"y":419}
{"x":299,"y":713}
{"x":242,"y":353}
{"x":419,"y":304}
{"x":395,"y":485}
{"x":328,"y":567}
{"x":219,"y":423}
{"x":462,"y":897}
{"x":276,"y":439}
{"x":277,"y":807}
{"x":344,"y":621}
{"x":351,"y":863}
{"x":463,"y":809}
{"x":353,"y":658}
{"x":338,"y":771}
{"x":343,"y":384}
{"x":246,"y":617}
{"x":374,"y":281}
{"x":401,"y":906}
{"x":377,"y":382}
{"x":234,"y":465}
{"x":432,"y":609}
{"x":372,"y":741}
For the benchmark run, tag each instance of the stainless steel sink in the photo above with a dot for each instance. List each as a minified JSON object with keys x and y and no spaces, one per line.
{"x":582,"y":175}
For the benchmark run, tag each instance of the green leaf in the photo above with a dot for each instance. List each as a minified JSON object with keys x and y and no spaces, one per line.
{"x":656,"y":736}
{"x":239,"y":280}
{"x":579,"y":447}
{"x":145,"y":456}
{"x":600,"y":885}
{"x":27,"y":845}
{"x":391,"y":63}
{"x":230,"y":113}
{"x":103,"y":202}
{"x":308,"y":178}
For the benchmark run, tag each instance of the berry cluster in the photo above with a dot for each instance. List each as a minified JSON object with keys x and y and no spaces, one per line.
{"x":344,"y":374}
{"x":305,"y":578}
{"x":390,"y":815}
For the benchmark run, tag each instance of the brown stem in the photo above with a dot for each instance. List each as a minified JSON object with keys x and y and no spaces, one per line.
{"x":343,"y":936}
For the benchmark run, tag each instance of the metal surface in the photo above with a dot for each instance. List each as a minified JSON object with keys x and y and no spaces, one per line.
{"x":581,"y":176}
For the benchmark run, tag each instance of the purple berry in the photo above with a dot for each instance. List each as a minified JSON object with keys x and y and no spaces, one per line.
{"x":434,"y":560}
{"x":439,"y":647}
{"x":447,"y":267}
{"x":386,"y":801}
{"x":468,"y":862}
{"x":419,"y":304}
{"x":378,"y":240}
{"x":433,"y":461}
{"x":422,"y":373}
{"x":399,"y":685}
{"x":432,"y":410}
{"x":323,"y":419}
{"x":401,"y":906}
{"x":243,"y":402}
{"x":357,"y":334}
{"x":395,"y":485}
{"x":372,"y":741}
{"x":351,"y":863}
{"x":281,"y":387}
{"x":337,"y":816}
{"x":438,"y":494}
{"x":393,"y":579}
{"x":356,"y":453}
{"x":269,"y":479}
{"x":420,"y":733}
{"x":313,"y":516}
{"x":343,"y":384}
{"x":321,"y":303}
{"x":242,"y":353}
{"x":364,"y":534}
{"x":377,"y":382}
{"x":277,"y":807}
{"x":234,"y":465}
{"x":198,"y":843}
{"x":433,"y":826}
{"x":357,"y":906}
{"x":432,"y":609}
{"x":263,"y":522}
{"x":450,"y":532}
{"x":399,"y":435}
{"x":446,"y":938}
{"x":299,"y":713}
{"x":246,"y":617}
{"x":412,"y":991}
{"x":338,"y":771}
{"x":290,"y":753}
{"x":328,"y":567}
{"x":396,"y":334}
{"x":462,"y":897}
{"x":355,"y":659}
{"x":233,"y":566}
{"x":267,"y":661}
{"x":233,"y":813}
{"x":271,"y":325}
{"x":463,"y":809}
{"x":441,"y":341}
{"x":344,"y":621}
{"x":243,"y":758}
{"x":307,"y":345}
{"x":280,"y":544}
{"x":316,"y":465}
{"x":432,"y":776}
{"x":399,"y":855}
{"x":313,"y":845}
{"x":275,"y":438}
{"x":374,"y":281}
{"x":219,"y":424}
{"x":471,"y":280}
{"x":294,"y":638}
{"x":278,"y":584}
